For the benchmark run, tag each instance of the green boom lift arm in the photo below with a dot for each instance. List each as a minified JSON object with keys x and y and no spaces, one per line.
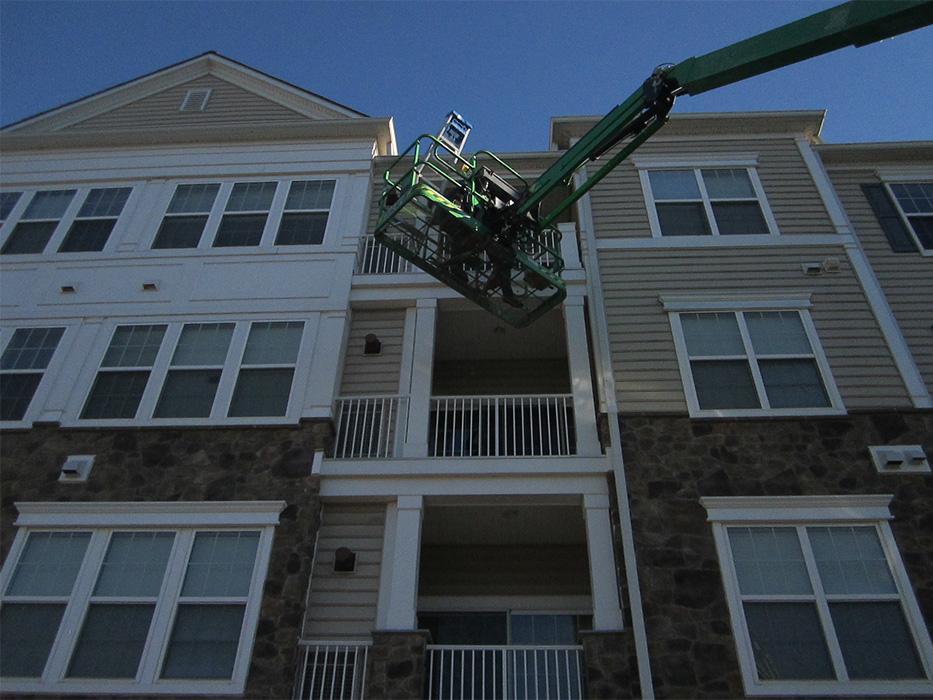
{"x":482,"y":233}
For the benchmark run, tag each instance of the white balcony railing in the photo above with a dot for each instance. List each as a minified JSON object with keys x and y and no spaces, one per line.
{"x":369,"y":427}
{"x":331,"y":670}
{"x":501,"y":426}
{"x":375,"y":259}
{"x":505,"y":672}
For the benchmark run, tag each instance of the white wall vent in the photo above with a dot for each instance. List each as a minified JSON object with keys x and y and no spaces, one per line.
{"x":76,"y":468}
{"x":900,"y":459}
{"x":195,"y":100}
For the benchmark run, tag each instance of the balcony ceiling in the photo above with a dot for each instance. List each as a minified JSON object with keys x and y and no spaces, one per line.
{"x":477,"y":335}
{"x":503,"y":524}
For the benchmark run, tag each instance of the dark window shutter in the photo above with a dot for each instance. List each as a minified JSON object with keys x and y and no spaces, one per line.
{"x":891,"y":223}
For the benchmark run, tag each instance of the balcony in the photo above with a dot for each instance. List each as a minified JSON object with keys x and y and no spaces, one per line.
{"x":370,"y":427}
{"x":331,"y":670}
{"x":501,"y":426}
{"x":504,"y":672}
{"x":375,"y":259}
{"x":538,"y":425}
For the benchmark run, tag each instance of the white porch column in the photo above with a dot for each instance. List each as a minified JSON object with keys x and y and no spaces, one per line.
{"x":326,"y":365}
{"x":401,"y":600}
{"x":604,"y":584}
{"x":422,"y":369}
{"x":584,"y":410}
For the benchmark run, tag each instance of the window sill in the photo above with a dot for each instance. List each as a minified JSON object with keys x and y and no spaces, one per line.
{"x":128,"y":687}
{"x":839,"y":688}
{"x":767,"y":413}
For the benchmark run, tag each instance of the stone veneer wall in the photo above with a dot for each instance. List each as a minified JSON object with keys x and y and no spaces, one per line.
{"x":192,"y":464}
{"x":673,"y":461}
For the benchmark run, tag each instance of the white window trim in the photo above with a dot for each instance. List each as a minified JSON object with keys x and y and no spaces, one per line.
{"x":51,"y":371}
{"x":68,"y":218}
{"x":162,"y":364}
{"x":185,"y":519}
{"x":273,"y":218}
{"x":737,"y":305}
{"x":747,"y":162}
{"x":801,"y":511}
{"x":906,"y":178}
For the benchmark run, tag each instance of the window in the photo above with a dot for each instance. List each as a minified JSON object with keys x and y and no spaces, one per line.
{"x":915,"y":200}
{"x":170,"y":606}
{"x":245,"y":215}
{"x":38,"y":222}
{"x":124,"y":372}
{"x":21,"y":368}
{"x":751,"y":362}
{"x":306,"y":211}
{"x":186,"y":217}
{"x":8,"y":200}
{"x":202,"y":351}
{"x":265,"y":379}
{"x":215,"y":370}
{"x":706,"y":201}
{"x":96,"y":219}
{"x":819,"y":600}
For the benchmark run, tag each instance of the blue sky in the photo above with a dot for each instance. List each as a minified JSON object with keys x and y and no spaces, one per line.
{"x":506,"y":66}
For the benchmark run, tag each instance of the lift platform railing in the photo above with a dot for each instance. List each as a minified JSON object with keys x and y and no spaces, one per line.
{"x":432,"y":213}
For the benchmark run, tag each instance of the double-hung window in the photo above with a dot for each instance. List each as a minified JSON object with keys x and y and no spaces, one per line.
{"x":718,"y":201}
{"x":245,"y":215}
{"x":186,"y":216}
{"x":22,"y":366}
{"x":915,"y":201}
{"x":96,"y":219}
{"x":819,"y":600}
{"x":306,"y":210}
{"x":205,"y":371}
{"x":37,"y":224}
{"x":268,"y":366}
{"x":194,"y":375}
{"x":124,"y":372}
{"x":755,"y":361}
{"x":93,"y":601}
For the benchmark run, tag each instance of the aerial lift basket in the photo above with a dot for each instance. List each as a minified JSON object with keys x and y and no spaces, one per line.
{"x":440,"y":210}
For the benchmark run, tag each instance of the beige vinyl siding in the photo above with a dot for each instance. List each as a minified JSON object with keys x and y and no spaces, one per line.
{"x":343,"y":605}
{"x":364,"y":375}
{"x":483,"y":377}
{"x":229,"y":105}
{"x":468,"y":570}
{"x":645,"y":362}
{"x":906,"y":278}
{"x":619,"y":208}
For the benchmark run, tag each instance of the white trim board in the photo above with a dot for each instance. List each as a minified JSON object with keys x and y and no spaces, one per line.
{"x":148,"y":513}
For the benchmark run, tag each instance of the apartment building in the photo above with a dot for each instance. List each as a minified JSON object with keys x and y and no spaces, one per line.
{"x":249,"y":452}
{"x":774,"y":413}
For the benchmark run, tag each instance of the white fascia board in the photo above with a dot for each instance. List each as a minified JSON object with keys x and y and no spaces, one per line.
{"x":797,"y":508}
{"x":541,"y":466}
{"x":149,"y":514}
{"x":482,"y":485}
{"x":736,"y":301}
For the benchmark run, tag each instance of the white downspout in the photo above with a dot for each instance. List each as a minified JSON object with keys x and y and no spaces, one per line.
{"x":600,"y":330}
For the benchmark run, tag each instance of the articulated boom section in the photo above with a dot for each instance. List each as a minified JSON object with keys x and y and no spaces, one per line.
{"x":454,"y":218}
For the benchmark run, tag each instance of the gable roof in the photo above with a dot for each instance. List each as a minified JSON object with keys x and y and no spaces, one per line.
{"x":244,"y":105}
{"x":303,"y":103}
